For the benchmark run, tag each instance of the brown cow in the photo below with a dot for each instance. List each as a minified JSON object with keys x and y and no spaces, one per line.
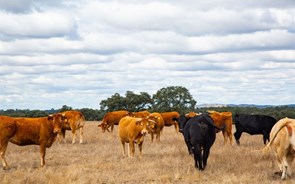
{"x":132,"y":130}
{"x":140,"y":114}
{"x":75,"y":121}
{"x":158,"y":126}
{"x":168,"y":119}
{"x":112,"y":118}
{"x":191,"y":114}
{"x":28,"y":131}
{"x":282,"y":142}
{"x":223,"y":119}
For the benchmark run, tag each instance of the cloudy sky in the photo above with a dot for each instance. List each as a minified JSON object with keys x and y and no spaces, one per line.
{"x":79,"y":52}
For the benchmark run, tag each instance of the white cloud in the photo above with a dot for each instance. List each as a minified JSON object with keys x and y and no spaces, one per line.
{"x":36,"y":24}
{"x":78,"y":53}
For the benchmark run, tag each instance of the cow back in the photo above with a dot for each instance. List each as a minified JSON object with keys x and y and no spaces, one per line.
{"x":168,"y":117}
{"x":114,"y":117}
{"x":140,"y":114}
{"x":255,"y":124}
{"x":32,"y":131}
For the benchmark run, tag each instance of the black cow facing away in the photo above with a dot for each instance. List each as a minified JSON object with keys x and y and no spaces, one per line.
{"x":199,"y":134}
{"x":253,"y":125}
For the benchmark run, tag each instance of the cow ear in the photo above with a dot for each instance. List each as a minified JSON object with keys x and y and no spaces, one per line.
{"x":63,"y":116}
{"x":50,"y":117}
{"x":138,"y":121}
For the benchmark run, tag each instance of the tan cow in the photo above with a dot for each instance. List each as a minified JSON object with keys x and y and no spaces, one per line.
{"x":282,"y":142}
{"x":223,"y":119}
{"x":158,"y":126}
{"x":168,"y":119}
{"x":29,"y":131}
{"x":75,"y":122}
{"x":112,"y":118}
{"x":132,"y":130}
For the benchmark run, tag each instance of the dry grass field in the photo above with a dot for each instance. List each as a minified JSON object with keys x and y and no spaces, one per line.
{"x":100,"y":160}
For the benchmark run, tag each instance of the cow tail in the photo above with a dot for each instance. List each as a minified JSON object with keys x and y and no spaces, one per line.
{"x":266,"y":149}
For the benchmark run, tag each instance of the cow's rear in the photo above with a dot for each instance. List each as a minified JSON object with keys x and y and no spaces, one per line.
{"x":282,"y":141}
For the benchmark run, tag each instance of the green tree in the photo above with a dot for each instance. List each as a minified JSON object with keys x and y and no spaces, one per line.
{"x":131,"y":102}
{"x":137,"y":102}
{"x":173,"y":98}
{"x":65,"y":108}
{"x":92,"y":114}
{"x":113,"y":103}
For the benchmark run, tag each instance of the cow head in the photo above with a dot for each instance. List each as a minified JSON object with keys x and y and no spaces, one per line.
{"x":57,"y":120}
{"x":152,"y":122}
{"x":146,"y":124}
{"x":104,"y":126}
{"x":181,"y":122}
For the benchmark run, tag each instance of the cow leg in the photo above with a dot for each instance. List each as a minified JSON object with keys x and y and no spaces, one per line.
{"x":140,"y":149}
{"x":231,"y":138}
{"x":131,"y":148}
{"x":285,"y":168}
{"x":74,"y":135}
{"x":81,"y":134}
{"x":237,"y":135}
{"x":279,"y":162}
{"x":158,"y":136}
{"x":188,"y":143}
{"x":152,"y":136}
{"x":225,"y":137}
{"x":198,"y":157}
{"x":289,"y":162}
{"x":3,"y":146}
{"x":206,"y":153}
{"x":282,"y":161}
{"x":189,"y":147}
{"x":42,"y":154}
{"x":123,"y":147}
{"x":112,"y":129}
{"x":265,"y":137}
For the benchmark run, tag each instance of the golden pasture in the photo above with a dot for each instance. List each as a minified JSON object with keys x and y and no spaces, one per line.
{"x":99,"y":160}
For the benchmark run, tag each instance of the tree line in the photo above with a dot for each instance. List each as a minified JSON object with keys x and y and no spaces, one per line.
{"x":173,"y":98}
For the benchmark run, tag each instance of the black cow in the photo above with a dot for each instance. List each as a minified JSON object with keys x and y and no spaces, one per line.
{"x":199,"y":134}
{"x":253,"y":125}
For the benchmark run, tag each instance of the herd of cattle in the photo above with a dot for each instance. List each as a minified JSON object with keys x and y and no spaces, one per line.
{"x":199,"y":132}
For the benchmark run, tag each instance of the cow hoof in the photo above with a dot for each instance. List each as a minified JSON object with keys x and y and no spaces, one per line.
{"x":278,"y":173}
